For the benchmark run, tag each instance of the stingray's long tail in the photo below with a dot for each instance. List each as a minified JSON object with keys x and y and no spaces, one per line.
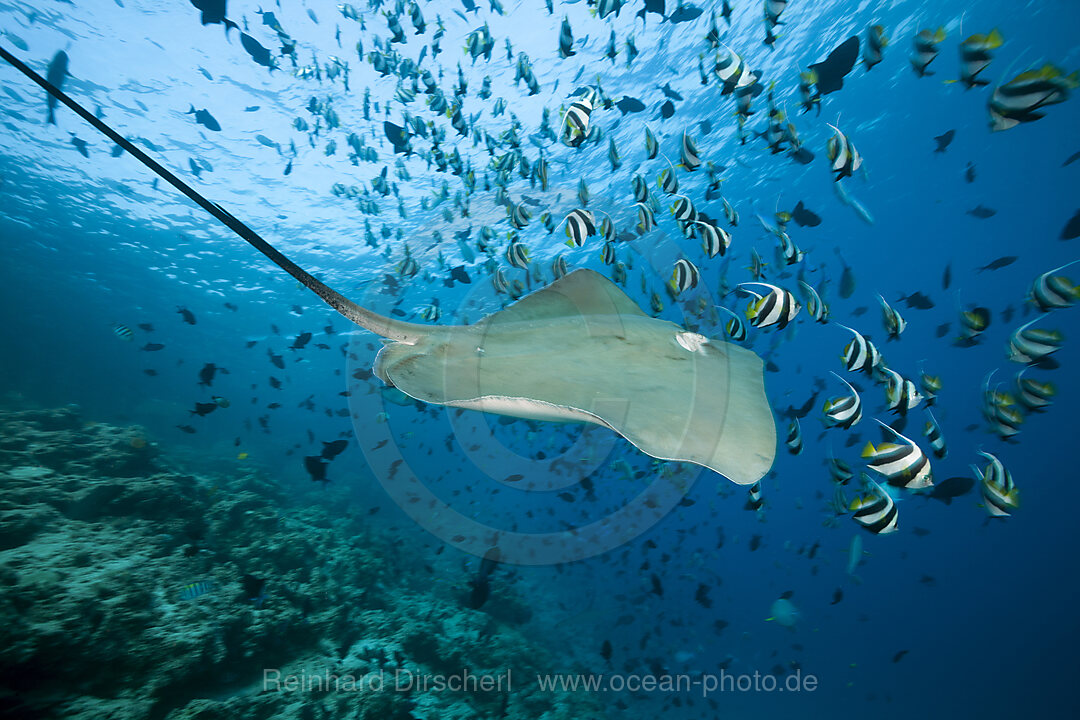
{"x":378,"y":324}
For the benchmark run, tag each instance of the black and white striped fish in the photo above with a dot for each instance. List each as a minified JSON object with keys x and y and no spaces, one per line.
{"x":580,"y":224}
{"x":1051,"y":291}
{"x":122,"y":331}
{"x":903,"y":463}
{"x":843,"y":156}
{"x":932,"y":431}
{"x":558,"y":267}
{"x":1023,"y":98}
{"x":688,"y":153}
{"x":735,"y":328}
{"x":975,"y":56}
{"x":794,"y":437}
{"x":646,"y":219}
{"x":639,"y":188}
{"x":1034,"y":395}
{"x":900,"y":393}
{"x":777,"y":307}
{"x":566,"y":39}
{"x":651,"y":146}
{"x":730,"y":213}
{"x":839,"y":471}
{"x":999,"y":493}
{"x":843,"y":411}
{"x":517,"y":254}
{"x":683,"y":209}
{"x":875,"y":44}
{"x":519,"y":215}
{"x":860,"y":354}
{"x":973,"y":322}
{"x":576,"y":122}
{"x":1000,"y":410}
{"x":685,"y":275}
{"x":1029,"y":345}
{"x":607,"y":230}
{"x":754,"y":500}
{"x":498,"y":281}
{"x":894,"y":322}
{"x":926,"y":50}
{"x":714,"y":240}
{"x":814,"y":304}
{"x":667,"y":181}
{"x":875,"y":510}
{"x":789,"y":251}
{"x":613,"y":155}
{"x":607,"y":253}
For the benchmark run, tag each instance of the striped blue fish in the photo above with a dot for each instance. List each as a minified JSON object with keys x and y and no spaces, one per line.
{"x":197,"y":589}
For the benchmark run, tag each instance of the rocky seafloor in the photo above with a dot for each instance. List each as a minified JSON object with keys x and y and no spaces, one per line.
{"x":100,"y":534}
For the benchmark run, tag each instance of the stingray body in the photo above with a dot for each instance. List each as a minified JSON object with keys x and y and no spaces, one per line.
{"x":579,"y":350}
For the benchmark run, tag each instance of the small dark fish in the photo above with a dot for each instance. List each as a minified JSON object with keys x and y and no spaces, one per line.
{"x":275,"y":383}
{"x":944,"y":140}
{"x":982,"y":212}
{"x":213,"y":13}
{"x":860,"y":311}
{"x":186,"y":428}
{"x":605,"y":650}
{"x":946,"y":277}
{"x":151,"y":372}
{"x":204,"y":118}
{"x":1072,"y":228}
{"x":755,"y":542}
{"x":917,"y":301}
{"x":837,"y":596}
{"x":254,"y":589}
{"x":702,"y":596}
{"x":301,"y":340}
{"x":206,"y":375}
{"x":80,"y":145}
{"x":1071,"y":159}
{"x":684,"y":13}
{"x":187,"y":315}
{"x":331,"y":450}
{"x":899,"y":656}
{"x":458,"y":273}
{"x":969,"y":172}
{"x":804,"y":217}
{"x":316,"y":468}
{"x":628,"y":104}
{"x":258,"y":53}
{"x":566,"y":497}
{"x":787,"y":594}
{"x":657,"y":587}
{"x":397,"y":135}
{"x":152,"y":347}
{"x":831,"y":70}
{"x":706,"y":126}
{"x":950,"y":488}
{"x":667,"y":109}
{"x":277,"y":360}
{"x":57,"y":73}
{"x":146,"y":327}
{"x":920,"y":532}
{"x":668,"y":92}
{"x":1001,"y":262}
{"x":202,"y":409}
{"x":513,"y":478}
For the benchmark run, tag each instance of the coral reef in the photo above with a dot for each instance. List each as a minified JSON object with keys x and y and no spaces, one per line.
{"x":124,"y":596}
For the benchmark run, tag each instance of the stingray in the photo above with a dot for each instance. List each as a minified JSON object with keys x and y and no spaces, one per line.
{"x":578,"y":350}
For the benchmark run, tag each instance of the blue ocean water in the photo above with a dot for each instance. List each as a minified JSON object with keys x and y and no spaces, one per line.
{"x":952,"y":614}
